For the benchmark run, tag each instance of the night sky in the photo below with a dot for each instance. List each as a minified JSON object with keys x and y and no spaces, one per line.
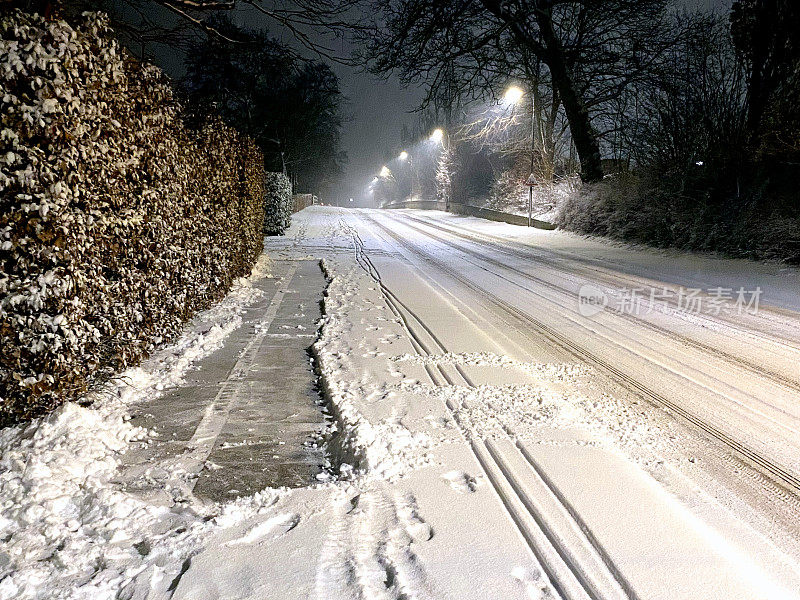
{"x":377,"y":108}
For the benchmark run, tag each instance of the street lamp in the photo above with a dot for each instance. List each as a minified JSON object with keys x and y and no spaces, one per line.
{"x":407,"y":158}
{"x":437,"y":135}
{"x":513,"y":94}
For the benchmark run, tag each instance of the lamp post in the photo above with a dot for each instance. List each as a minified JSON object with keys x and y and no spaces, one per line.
{"x":513,"y":95}
{"x":531,"y":179}
{"x":403,"y":157}
{"x":382,"y":180}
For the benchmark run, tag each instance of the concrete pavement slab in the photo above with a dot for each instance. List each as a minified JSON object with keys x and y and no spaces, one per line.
{"x":248,"y":416}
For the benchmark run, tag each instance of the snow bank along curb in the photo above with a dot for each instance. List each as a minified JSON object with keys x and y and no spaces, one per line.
{"x":118,"y":221}
{"x":348,"y":444}
{"x":356,"y":446}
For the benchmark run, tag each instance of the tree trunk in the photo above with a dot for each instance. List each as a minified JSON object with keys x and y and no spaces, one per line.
{"x":580,"y":125}
{"x":552,"y":53}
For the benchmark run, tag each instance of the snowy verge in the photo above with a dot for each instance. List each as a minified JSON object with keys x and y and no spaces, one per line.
{"x":68,"y":530}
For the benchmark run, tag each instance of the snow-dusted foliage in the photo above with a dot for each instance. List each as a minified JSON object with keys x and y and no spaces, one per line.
{"x":278,"y":204}
{"x":510,"y":194}
{"x":117,"y":220}
{"x":444,"y":176}
{"x":509,"y":189}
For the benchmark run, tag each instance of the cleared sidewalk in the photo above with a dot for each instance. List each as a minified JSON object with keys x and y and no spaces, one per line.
{"x":248,"y":416}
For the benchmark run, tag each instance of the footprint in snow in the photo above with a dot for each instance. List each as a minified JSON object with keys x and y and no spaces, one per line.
{"x":536,"y":587}
{"x":415,"y":525}
{"x":460,"y":481}
{"x":273,"y":527}
{"x":439,"y":422}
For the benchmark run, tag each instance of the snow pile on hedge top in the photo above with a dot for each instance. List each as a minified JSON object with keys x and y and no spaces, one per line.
{"x":118,"y":221}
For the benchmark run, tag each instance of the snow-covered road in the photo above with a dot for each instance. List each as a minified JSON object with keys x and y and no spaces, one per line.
{"x":515,"y":414}
{"x":646,"y":450}
{"x":734,"y":374}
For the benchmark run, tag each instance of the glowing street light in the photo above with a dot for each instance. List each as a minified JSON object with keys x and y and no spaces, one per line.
{"x":513,"y":94}
{"x":385,"y":172}
{"x":437,"y":135}
{"x":403,"y":155}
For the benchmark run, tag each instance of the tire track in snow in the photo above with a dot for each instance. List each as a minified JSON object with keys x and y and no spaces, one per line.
{"x":778,"y":474}
{"x":521,"y":250}
{"x":744,"y":409}
{"x":575,"y":563}
{"x":755,"y":368}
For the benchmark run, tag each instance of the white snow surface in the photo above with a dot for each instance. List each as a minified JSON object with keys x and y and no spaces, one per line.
{"x":68,"y":530}
{"x":469,"y":458}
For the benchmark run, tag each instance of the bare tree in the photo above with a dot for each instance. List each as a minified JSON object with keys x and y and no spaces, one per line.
{"x":692,"y":112}
{"x":314,"y":24}
{"x":591,"y":50}
{"x":764,"y":33}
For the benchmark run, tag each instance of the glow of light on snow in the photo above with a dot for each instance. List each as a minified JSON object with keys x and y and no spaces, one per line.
{"x":437,"y":135}
{"x":385,"y":172}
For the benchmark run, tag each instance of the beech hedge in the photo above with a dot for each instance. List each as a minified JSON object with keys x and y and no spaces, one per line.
{"x":118,"y":219}
{"x":278,"y":204}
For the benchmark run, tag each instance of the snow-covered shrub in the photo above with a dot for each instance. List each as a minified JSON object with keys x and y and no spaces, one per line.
{"x":509,"y":191}
{"x":445,"y":171}
{"x":117,"y":220}
{"x":656,"y":212}
{"x":510,"y":194}
{"x":278,"y":204}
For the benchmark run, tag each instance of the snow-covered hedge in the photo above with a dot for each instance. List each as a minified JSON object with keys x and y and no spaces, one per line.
{"x":118,"y":221}
{"x":278,"y":204}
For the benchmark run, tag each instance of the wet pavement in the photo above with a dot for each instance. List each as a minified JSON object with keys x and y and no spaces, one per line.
{"x":248,"y":416}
